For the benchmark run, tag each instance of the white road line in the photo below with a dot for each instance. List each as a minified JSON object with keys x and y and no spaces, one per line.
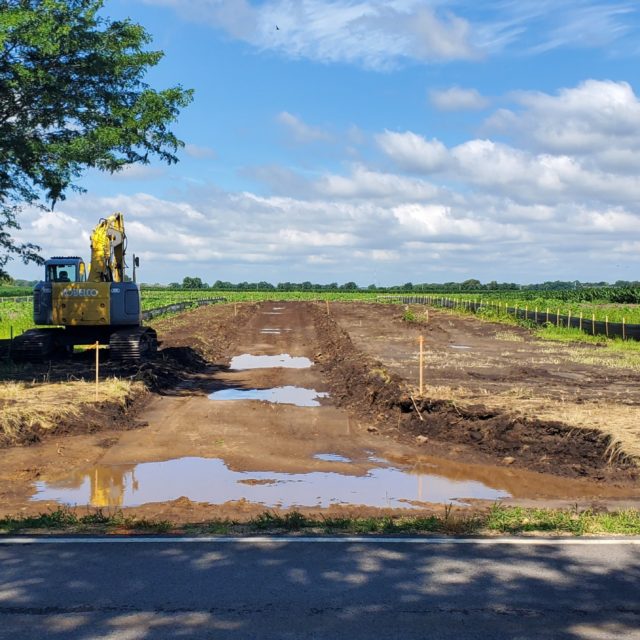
{"x":318,"y":540}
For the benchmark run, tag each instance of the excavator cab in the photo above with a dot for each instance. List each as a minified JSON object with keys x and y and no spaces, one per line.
{"x":60,"y":269}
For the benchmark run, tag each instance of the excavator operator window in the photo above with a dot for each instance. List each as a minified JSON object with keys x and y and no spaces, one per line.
{"x":61,"y":273}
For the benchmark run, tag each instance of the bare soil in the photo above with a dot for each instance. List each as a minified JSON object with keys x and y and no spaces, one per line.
{"x":578,"y":396}
{"x":365,"y":357}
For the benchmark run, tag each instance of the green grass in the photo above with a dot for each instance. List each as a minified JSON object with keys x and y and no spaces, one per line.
{"x":497,"y":520}
{"x":68,"y":521}
{"x":16,"y":317}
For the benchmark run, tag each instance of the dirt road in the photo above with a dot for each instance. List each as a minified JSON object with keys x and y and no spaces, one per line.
{"x":328,"y":428}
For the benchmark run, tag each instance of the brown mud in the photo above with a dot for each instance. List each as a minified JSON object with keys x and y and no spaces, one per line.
{"x":371,"y":408}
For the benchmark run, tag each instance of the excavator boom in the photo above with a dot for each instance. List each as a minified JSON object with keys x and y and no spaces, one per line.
{"x":107,"y":250}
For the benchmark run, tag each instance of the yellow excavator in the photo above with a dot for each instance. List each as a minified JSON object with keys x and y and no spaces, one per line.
{"x":72,"y":307}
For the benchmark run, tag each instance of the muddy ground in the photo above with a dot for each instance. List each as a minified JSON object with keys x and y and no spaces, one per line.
{"x":490,"y":370}
{"x":365,"y":357}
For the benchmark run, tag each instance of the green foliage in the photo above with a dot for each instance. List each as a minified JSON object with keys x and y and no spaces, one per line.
{"x":16,"y":317}
{"x":64,"y":519}
{"x":499,"y":519}
{"x":72,"y":96}
{"x":193,"y":283}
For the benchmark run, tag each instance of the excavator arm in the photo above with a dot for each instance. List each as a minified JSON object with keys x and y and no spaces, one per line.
{"x":107,"y":250}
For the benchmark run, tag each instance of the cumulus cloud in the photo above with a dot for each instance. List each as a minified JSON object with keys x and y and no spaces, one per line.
{"x":413,"y":152}
{"x":509,"y":171}
{"x":365,"y":183}
{"x":457,"y":99}
{"x":596,"y":115}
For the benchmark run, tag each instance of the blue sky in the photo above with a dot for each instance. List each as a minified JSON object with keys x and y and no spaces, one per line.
{"x":382,"y":142}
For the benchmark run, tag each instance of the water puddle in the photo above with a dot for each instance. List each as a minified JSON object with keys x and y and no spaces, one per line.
{"x":271,"y":313}
{"x":210,"y":480}
{"x":276,"y":332}
{"x":458,"y":346}
{"x":278,"y":308}
{"x":247,"y":361}
{"x":331,"y":457}
{"x":298,"y":396}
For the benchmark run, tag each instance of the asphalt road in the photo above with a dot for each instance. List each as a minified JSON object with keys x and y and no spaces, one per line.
{"x":303,"y":590}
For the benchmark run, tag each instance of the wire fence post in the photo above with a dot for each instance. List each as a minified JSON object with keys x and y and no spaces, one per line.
{"x":624,"y":333}
{"x":593,"y":324}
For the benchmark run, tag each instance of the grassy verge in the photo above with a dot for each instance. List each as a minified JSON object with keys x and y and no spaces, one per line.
{"x":496,"y":521}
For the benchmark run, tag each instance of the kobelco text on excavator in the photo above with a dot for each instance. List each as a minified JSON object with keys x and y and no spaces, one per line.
{"x":72,"y":307}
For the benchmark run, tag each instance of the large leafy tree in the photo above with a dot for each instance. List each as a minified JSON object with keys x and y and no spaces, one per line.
{"x":72,"y":96}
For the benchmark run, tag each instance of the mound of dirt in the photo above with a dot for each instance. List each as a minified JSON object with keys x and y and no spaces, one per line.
{"x":474,"y":434}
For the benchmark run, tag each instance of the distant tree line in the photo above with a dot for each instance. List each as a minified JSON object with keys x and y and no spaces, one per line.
{"x":586,"y":289}
{"x":467,"y":286}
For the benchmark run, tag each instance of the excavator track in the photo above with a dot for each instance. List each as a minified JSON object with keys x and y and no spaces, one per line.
{"x":34,"y":345}
{"x":133,"y":345}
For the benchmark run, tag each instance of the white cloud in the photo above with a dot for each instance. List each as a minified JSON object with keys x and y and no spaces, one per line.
{"x":299,"y":131}
{"x":457,"y":99}
{"x":413,"y":152}
{"x":381,"y":34}
{"x":365,"y":183}
{"x":535,"y":26}
{"x":594,"y":117}
{"x":508,"y":171}
{"x":375,"y":34}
